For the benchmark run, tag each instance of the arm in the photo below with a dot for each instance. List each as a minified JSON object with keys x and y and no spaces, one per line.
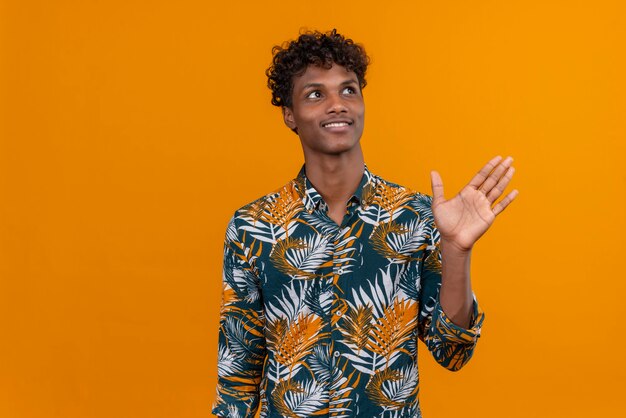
{"x":456,"y":288}
{"x":462,"y":220}
{"x":451,"y":345}
{"x":241,"y":343}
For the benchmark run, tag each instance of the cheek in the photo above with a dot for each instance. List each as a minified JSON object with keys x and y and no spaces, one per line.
{"x":361,"y":113}
{"x":359,"y":109}
{"x":306,"y":119}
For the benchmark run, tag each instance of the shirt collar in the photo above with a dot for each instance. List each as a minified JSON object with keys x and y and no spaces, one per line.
{"x":312,"y":200}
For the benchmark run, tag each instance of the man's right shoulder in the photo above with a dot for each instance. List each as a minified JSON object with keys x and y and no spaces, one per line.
{"x":254,"y":209}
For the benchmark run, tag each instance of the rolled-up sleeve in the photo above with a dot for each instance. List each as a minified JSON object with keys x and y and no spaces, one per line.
{"x":452,"y":346}
{"x":241,"y":342}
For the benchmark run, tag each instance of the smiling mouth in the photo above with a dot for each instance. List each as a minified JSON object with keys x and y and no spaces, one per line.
{"x":336,"y":124}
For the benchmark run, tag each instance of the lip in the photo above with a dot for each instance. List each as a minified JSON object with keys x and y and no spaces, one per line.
{"x":349,"y":125}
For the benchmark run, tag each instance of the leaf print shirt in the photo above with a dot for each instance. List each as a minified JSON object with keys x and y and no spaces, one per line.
{"x":319,"y":319}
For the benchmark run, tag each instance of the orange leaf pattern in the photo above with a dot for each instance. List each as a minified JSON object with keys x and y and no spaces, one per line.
{"x":319,"y":319}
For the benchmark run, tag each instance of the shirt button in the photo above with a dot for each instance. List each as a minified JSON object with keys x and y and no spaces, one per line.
{"x":363,"y":202}
{"x":336,"y":354}
{"x":340,"y":271}
{"x":338,"y":313}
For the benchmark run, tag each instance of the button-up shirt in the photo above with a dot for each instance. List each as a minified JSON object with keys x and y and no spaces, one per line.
{"x":319,"y":319}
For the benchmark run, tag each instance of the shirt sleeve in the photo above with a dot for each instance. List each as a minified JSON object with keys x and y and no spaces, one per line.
{"x":241,"y":342}
{"x":452,"y":346}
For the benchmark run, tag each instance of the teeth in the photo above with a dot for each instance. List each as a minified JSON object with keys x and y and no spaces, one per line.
{"x":330,"y":125}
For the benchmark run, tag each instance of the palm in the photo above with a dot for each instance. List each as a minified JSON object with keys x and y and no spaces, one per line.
{"x":463,"y":219}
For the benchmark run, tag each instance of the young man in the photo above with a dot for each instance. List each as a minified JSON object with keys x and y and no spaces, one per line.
{"x":330,"y":281}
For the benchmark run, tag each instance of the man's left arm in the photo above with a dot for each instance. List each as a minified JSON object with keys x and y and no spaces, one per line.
{"x":461,"y":221}
{"x":451,"y":345}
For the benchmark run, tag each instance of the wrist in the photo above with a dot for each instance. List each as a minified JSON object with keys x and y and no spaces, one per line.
{"x":453,"y":249}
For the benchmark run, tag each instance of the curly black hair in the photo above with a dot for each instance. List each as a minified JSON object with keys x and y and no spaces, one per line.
{"x":312,"y":48}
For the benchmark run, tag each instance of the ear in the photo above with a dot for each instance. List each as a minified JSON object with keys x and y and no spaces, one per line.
{"x":288,"y":118}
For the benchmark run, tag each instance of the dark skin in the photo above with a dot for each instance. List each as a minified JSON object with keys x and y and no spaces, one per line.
{"x":334,"y":165}
{"x":332,"y":154}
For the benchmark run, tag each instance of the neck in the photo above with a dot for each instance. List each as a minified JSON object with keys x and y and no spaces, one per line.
{"x":335,"y":177}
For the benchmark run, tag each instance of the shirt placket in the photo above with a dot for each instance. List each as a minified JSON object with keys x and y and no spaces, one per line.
{"x":339,"y":307}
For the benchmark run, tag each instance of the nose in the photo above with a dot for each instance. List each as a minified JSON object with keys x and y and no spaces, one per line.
{"x":336,"y":104}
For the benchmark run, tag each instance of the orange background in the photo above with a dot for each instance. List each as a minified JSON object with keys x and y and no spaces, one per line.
{"x":131,"y":131}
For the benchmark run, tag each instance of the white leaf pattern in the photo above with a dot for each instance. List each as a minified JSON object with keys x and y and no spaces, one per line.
{"x":293,"y":278}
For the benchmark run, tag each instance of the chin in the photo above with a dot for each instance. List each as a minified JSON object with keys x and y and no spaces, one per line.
{"x":338,"y":150}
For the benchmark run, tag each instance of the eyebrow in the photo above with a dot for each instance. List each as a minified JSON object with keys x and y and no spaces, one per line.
{"x":343,"y":83}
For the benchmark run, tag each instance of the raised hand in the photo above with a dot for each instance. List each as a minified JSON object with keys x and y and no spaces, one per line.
{"x":467,"y":216}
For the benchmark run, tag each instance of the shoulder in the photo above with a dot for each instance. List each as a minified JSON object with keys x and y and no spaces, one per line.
{"x":394,"y":194}
{"x":254,"y":209}
{"x":397,"y":191}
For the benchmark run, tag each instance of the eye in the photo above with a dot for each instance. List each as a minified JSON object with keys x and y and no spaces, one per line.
{"x":349,"y":90}
{"x":315,"y":94}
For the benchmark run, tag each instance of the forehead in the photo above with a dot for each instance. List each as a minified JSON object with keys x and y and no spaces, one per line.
{"x":314,"y":74}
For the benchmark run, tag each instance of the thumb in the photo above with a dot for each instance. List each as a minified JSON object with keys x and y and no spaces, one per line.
{"x":437,"y":186}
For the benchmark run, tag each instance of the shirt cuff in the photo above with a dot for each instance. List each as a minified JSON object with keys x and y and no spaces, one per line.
{"x":451,"y":332}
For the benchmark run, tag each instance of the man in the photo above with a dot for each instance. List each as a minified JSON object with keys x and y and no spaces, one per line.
{"x":330,"y":281}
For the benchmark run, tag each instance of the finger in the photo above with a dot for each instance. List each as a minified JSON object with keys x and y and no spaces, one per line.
{"x":437,"y":186}
{"x":496,"y":175}
{"x":497,"y":191}
{"x":480,"y":177}
{"x":497,"y":209}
